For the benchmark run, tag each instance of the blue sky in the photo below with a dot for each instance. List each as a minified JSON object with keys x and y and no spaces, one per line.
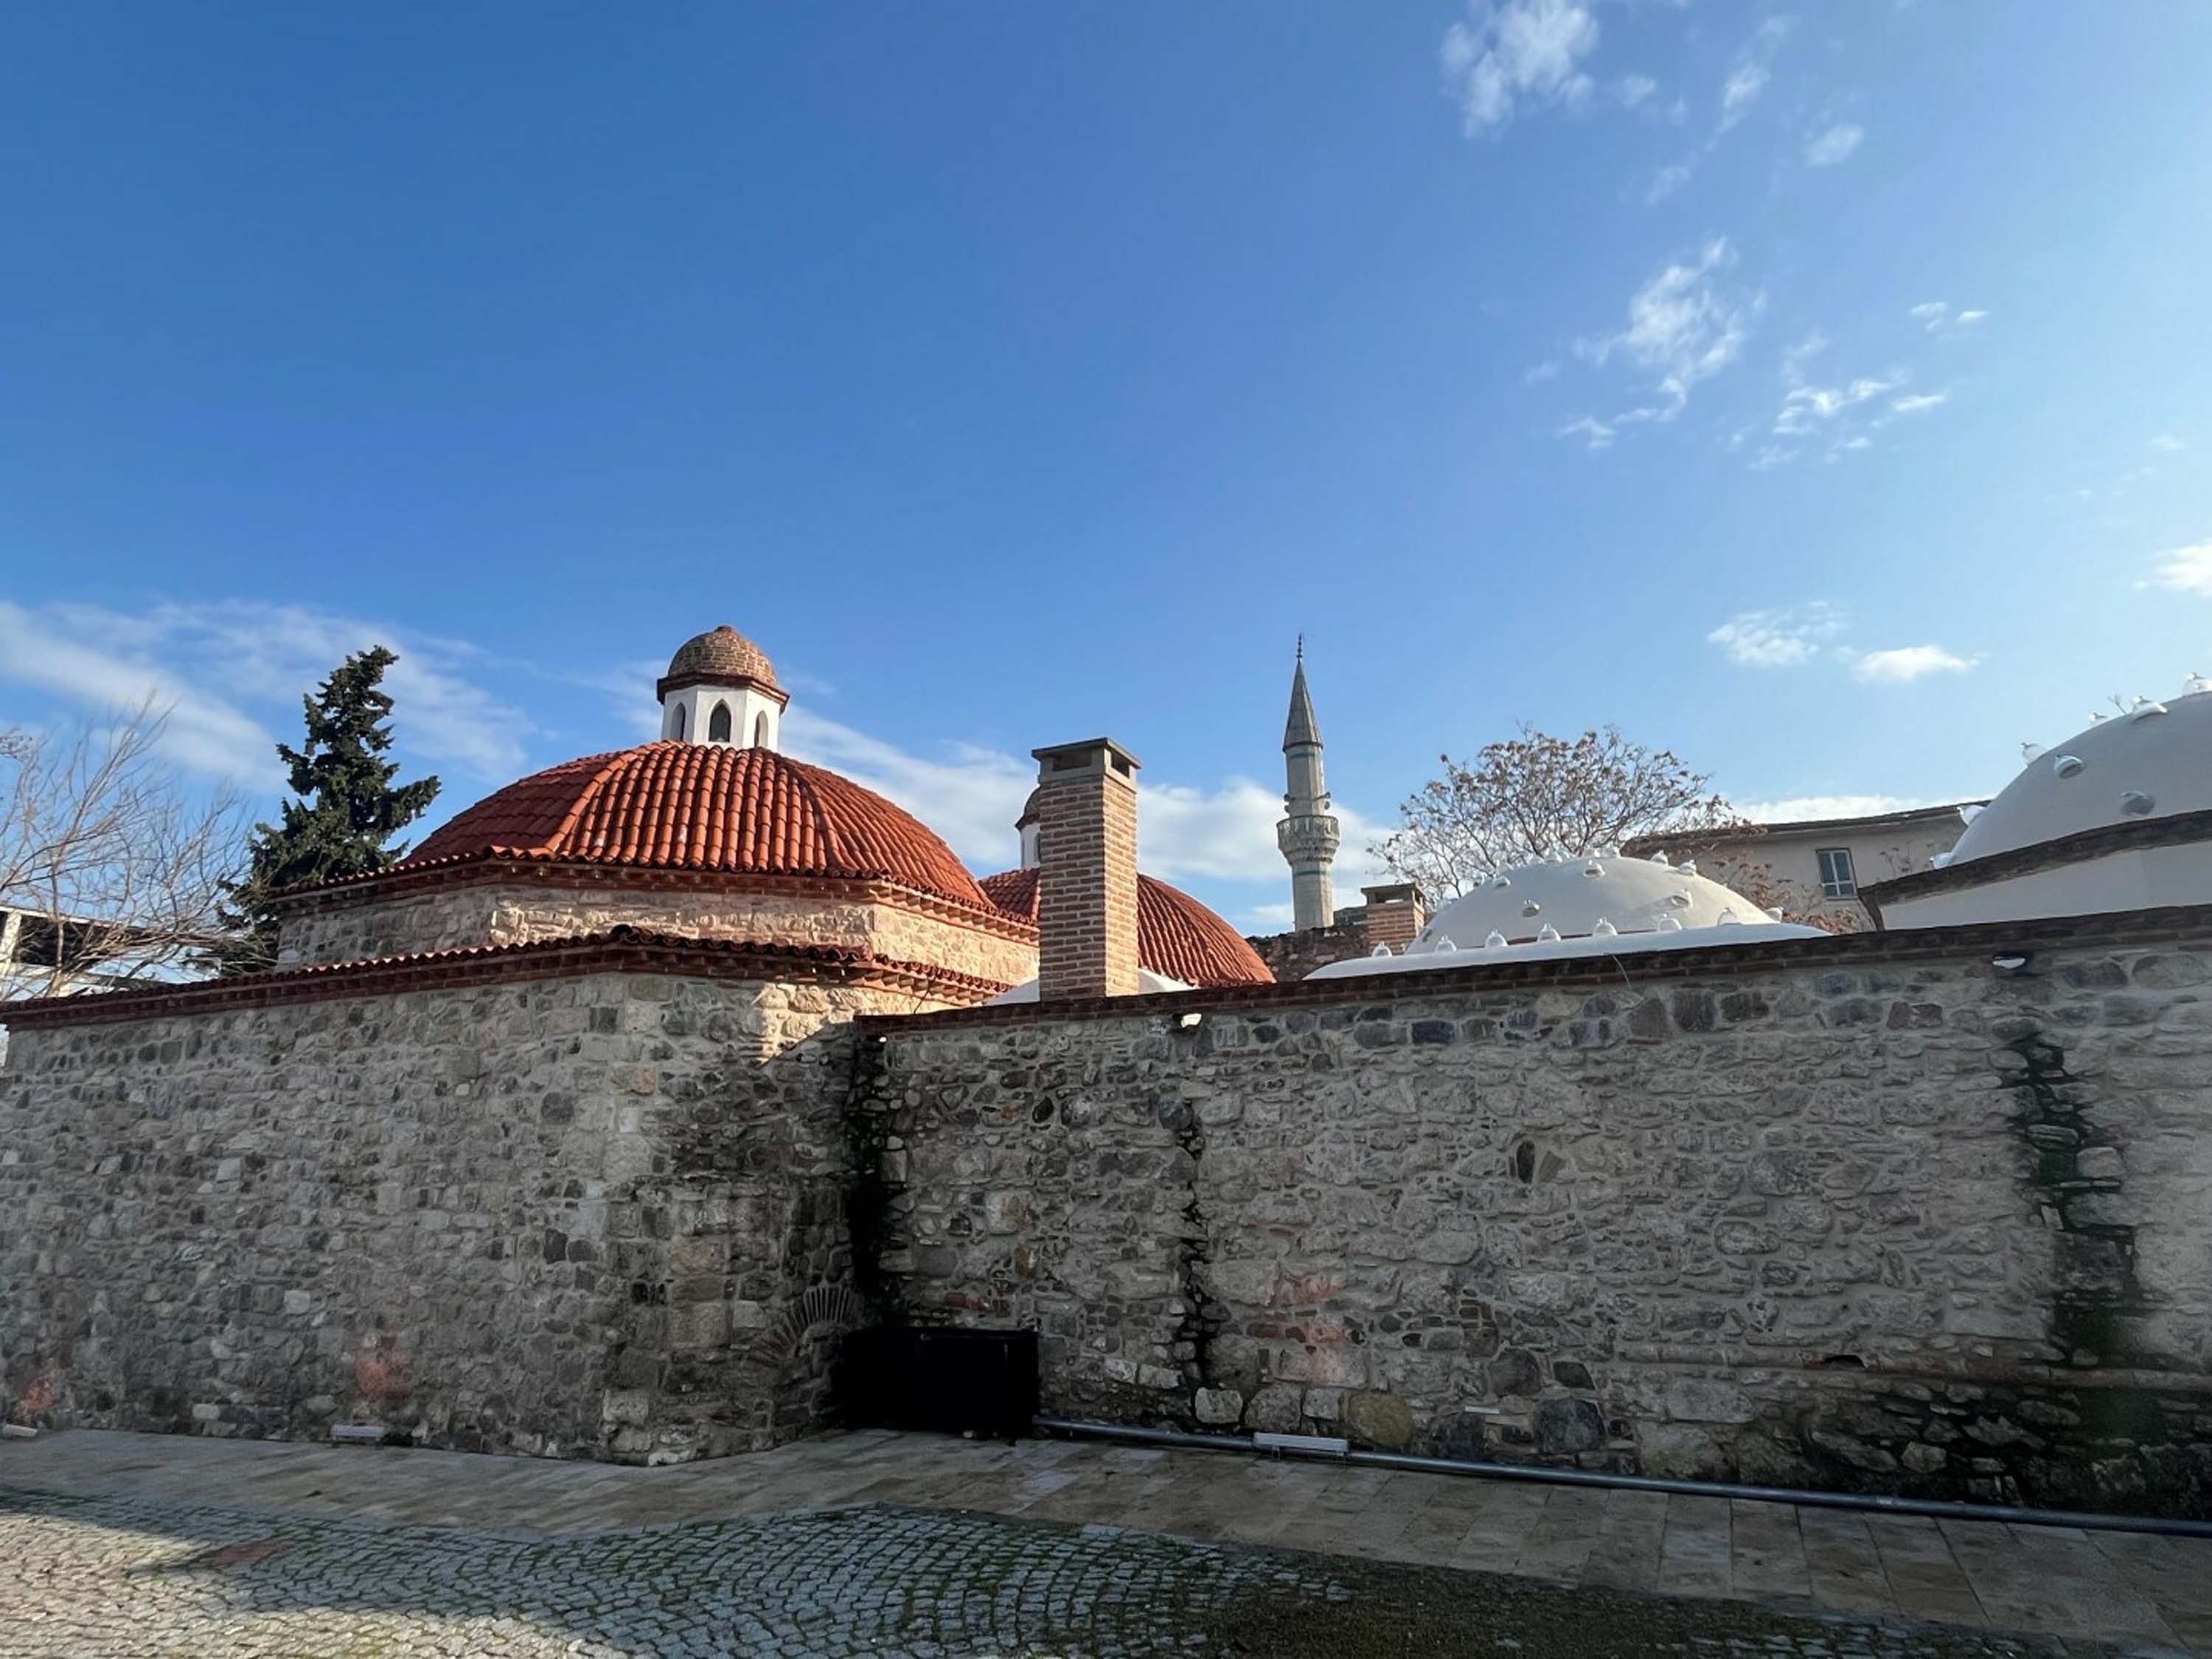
{"x":1822,"y":391}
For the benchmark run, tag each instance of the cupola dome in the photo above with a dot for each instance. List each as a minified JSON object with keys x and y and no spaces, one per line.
{"x":720,"y":689}
{"x":721,"y":653}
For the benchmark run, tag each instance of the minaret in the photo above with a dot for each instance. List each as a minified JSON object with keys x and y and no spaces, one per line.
{"x":1307,"y":835}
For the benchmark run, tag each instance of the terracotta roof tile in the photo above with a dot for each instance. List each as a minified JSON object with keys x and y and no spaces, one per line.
{"x":1176,"y":935}
{"x":706,"y":807}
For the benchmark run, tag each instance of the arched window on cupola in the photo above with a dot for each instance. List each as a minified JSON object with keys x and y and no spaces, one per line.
{"x":676,"y":728}
{"x":760,"y":730}
{"x":718,"y":724}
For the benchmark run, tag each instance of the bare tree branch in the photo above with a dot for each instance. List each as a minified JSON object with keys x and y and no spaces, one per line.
{"x":1536,"y":798}
{"x":110,"y":872}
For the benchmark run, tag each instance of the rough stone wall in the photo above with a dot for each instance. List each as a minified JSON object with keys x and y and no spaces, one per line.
{"x":597,"y":1216}
{"x":502,"y":913}
{"x":1907,"y":1225}
{"x":1291,"y":957}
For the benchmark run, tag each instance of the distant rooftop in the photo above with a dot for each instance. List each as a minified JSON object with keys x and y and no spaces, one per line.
{"x":1667,"y":841}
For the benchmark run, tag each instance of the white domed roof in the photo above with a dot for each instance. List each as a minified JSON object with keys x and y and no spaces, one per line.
{"x":2150,"y":762}
{"x":1148,"y":982}
{"x":1573,"y":897}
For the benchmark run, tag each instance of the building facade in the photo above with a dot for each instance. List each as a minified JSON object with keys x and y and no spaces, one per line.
{"x":1814,"y":868}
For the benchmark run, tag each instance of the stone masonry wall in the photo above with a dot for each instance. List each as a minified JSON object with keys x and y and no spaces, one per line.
{"x":446,"y":918}
{"x":1858,"y":1217}
{"x":598,"y":1215}
{"x":1291,"y":957}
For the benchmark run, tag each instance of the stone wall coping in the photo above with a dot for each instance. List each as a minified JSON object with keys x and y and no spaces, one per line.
{"x":618,"y":949}
{"x":2170,"y":926}
{"x":485,"y":869}
{"x":2130,"y":835}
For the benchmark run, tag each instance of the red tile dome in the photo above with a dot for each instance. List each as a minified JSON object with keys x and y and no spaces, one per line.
{"x":1176,"y":936}
{"x":710,"y":808}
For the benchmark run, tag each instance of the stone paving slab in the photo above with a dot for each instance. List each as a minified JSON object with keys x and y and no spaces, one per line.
{"x":2073,"y":1591}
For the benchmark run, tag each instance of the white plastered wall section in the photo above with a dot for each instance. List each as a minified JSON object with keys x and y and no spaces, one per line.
{"x":2145,"y":880}
{"x":687,"y":715}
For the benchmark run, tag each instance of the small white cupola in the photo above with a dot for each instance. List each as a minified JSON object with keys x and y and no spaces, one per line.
{"x":720,"y":688}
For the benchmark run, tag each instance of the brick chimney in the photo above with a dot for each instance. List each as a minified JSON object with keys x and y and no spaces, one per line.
{"x":1396,"y":912}
{"x":1086,"y":870}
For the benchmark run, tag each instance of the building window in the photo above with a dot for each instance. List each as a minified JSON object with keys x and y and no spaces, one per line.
{"x":1838,"y":879}
{"x":718,"y":724}
{"x":760,"y":730}
{"x":675,"y":727}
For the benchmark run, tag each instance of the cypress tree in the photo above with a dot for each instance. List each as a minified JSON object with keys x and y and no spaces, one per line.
{"x":345,"y":810}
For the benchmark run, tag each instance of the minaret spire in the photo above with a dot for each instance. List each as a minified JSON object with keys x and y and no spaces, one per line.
{"x":1307,"y":835}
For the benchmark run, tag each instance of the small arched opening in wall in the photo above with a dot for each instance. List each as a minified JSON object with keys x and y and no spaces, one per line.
{"x":760,"y":730}
{"x":1531,"y":1162}
{"x":718,"y":724}
{"x":676,"y":726}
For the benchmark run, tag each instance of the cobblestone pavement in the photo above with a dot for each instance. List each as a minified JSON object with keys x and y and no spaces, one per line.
{"x":133,"y":1577}
{"x":116,"y":1543}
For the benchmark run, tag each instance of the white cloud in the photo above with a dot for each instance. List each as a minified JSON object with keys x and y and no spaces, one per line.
{"x":2184,"y":569}
{"x":1834,"y":145}
{"x":1741,"y":91}
{"x":210,"y":662}
{"x":205,"y":732}
{"x":1797,"y":809}
{"x":1839,"y":417}
{"x":1795,"y":359}
{"x":1633,"y":89}
{"x":1668,"y":180}
{"x":1783,"y":638}
{"x":970,"y":794}
{"x":1937,"y":317}
{"x":1904,"y":663}
{"x":1685,"y":326}
{"x":1804,"y":407}
{"x":1515,"y":51}
{"x":1589,"y":428}
{"x":1547,"y":370}
{"x":1750,"y":76}
{"x":2168,"y":443}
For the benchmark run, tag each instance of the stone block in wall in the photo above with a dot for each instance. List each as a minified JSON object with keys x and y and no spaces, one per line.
{"x":1379,"y":1420}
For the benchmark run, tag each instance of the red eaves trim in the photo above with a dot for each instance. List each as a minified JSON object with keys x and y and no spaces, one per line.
{"x":619,"y":950}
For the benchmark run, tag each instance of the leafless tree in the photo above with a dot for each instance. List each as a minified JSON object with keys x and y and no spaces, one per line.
{"x":110,"y":867}
{"x":1537,"y":797}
